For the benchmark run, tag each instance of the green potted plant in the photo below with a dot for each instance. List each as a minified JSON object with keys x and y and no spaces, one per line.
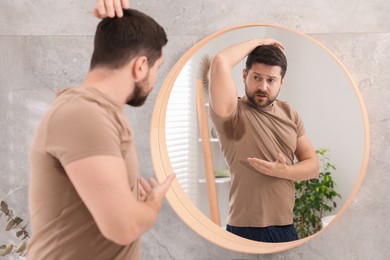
{"x":13,"y":223}
{"x":315,"y":197}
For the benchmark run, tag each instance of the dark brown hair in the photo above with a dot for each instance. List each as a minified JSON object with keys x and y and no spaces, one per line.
{"x":118,"y":40}
{"x":268,"y":55}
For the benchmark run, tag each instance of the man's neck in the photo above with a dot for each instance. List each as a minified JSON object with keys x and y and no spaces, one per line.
{"x":112,"y":83}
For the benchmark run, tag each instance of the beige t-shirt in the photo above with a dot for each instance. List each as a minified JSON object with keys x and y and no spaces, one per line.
{"x":256,"y":199}
{"x":82,"y":122}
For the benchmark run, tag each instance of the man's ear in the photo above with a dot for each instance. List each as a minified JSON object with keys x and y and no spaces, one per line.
{"x":140,"y":68}
{"x":244,"y":74}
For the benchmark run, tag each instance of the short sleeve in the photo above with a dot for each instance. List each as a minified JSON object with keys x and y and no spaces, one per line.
{"x":299,"y":124}
{"x":221,"y":123}
{"x":78,"y":130}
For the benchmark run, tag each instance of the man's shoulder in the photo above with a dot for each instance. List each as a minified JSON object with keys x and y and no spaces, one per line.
{"x":79,"y":100}
{"x":284,"y":105}
{"x":77,"y":107}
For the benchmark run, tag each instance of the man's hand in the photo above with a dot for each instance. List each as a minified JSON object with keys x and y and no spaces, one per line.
{"x":274,"y":169}
{"x":141,"y":191}
{"x":110,"y":8}
{"x":153,"y":192}
{"x":270,"y":41}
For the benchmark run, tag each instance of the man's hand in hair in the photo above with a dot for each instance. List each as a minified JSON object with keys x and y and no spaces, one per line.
{"x":110,"y":8}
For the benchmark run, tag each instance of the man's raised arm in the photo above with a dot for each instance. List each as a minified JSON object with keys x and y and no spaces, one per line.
{"x":222,"y":91}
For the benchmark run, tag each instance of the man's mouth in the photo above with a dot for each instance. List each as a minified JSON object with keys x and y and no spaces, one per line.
{"x":261,"y":95}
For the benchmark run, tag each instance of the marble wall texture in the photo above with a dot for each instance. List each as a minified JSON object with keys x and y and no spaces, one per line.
{"x":46,"y":45}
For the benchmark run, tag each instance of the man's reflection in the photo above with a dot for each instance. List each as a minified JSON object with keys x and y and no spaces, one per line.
{"x":259,"y":136}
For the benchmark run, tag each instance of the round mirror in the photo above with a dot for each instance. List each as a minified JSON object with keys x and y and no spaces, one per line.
{"x":316,"y":84}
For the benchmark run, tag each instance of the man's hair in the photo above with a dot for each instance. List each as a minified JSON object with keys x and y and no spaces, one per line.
{"x":268,"y":55}
{"x":118,"y":40}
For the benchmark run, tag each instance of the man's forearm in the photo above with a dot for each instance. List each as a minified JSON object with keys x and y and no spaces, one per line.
{"x":128,"y":220}
{"x":142,"y":216}
{"x":141,"y":220}
{"x":232,"y":55}
{"x":304,"y":170}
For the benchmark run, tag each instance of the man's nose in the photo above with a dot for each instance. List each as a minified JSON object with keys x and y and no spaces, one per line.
{"x":262,"y":85}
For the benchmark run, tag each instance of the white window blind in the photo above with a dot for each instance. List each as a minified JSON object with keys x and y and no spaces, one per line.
{"x":181,"y":131}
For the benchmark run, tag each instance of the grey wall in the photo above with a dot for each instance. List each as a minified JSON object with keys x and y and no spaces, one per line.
{"x":46,"y":45}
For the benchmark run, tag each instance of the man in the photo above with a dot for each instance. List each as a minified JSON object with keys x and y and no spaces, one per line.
{"x":85,"y":201}
{"x":259,"y":136}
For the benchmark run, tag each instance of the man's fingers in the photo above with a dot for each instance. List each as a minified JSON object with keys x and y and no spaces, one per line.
{"x":144,"y":185}
{"x":125,"y":4}
{"x":258,"y":164}
{"x":100,"y":9}
{"x":167,"y":181}
{"x":141,"y":192}
{"x":279,"y":45}
{"x":118,"y":8}
{"x":281,"y":159}
{"x":274,"y":42}
{"x":165,"y":184}
{"x":252,"y":162}
{"x":153,"y":182}
{"x":170,"y":179}
{"x":256,"y":161}
{"x":141,"y":188}
{"x":96,"y":13}
{"x":109,"y":6}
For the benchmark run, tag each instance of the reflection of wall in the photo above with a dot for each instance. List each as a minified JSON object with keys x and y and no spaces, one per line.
{"x":46,"y":44}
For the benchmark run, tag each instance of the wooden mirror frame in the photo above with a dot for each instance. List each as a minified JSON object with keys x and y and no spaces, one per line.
{"x":179,"y":200}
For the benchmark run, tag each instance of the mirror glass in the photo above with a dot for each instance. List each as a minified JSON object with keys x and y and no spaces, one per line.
{"x":316,"y":84}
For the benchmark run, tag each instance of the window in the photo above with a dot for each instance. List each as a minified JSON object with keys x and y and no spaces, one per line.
{"x":181,"y":131}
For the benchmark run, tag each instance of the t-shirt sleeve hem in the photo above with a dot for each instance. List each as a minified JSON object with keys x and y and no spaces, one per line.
{"x":79,"y":156}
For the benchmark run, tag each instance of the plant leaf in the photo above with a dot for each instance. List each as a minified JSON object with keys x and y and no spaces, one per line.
{"x":4,"y":206}
{"x":21,"y":247}
{"x":10,"y":225}
{"x":18,"y":220}
{"x":7,"y":250}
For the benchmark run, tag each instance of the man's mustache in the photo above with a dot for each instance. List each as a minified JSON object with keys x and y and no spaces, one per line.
{"x":260,"y":92}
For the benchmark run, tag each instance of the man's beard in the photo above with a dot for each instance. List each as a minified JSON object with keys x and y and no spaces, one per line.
{"x":138,"y":98}
{"x":254,"y":102}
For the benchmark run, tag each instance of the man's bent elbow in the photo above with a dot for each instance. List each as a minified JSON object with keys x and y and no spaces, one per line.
{"x":121,"y":237}
{"x":218,"y":60}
